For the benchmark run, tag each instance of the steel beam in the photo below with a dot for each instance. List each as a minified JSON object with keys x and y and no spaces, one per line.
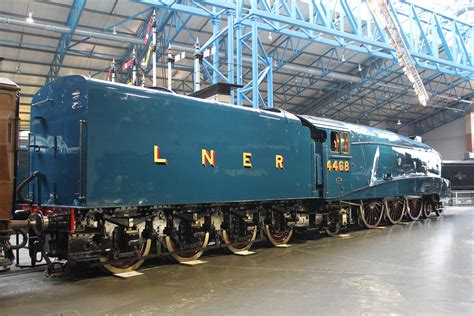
{"x":67,"y":30}
{"x":74,"y":16}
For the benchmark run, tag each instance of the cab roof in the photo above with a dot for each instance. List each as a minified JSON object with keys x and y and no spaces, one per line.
{"x":365,"y":133}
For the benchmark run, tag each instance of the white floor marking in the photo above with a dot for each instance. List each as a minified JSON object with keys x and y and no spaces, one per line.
{"x":193,"y":262}
{"x":244,"y":253}
{"x":127,"y":275}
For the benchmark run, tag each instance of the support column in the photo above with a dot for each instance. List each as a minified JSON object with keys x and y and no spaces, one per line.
{"x":270,"y":83}
{"x":255,"y":96}
{"x":469,"y":122}
{"x":216,"y":24}
{"x":238,"y":35}
{"x":230,"y":53}
{"x":255,"y":55}
{"x":197,"y":66}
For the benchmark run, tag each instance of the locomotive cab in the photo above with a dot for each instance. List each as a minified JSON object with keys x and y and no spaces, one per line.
{"x":332,"y":157}
{"x":337,"y":164}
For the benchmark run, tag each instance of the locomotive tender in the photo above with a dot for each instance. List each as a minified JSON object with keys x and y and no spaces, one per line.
{"x":118,"y":173}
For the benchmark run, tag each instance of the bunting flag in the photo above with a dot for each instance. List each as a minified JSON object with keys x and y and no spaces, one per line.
{"x":150,"y":48}
{"x":127,"y":64}
{"x":148,"y":32}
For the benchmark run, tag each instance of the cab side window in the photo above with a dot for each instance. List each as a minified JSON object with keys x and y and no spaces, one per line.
{"x":319,"y":136}
{"x":335,"y":142}
{"x":345,"y":143}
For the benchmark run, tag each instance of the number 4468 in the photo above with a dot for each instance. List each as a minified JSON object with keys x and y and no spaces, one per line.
{"x":338,"y":165}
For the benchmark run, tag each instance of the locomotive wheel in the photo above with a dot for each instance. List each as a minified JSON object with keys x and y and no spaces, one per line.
{"x":394,"y":210}
{"x":332,"y":230}
{"x":234,"y":247}
{"x":276,"y":237}
{"x":127,"y":264}
{"x":414,"y":207}
{"x":428,"y":208}
{"x":371,"y":213}
{"x":186,"y":255}
{"x":333,"y":226}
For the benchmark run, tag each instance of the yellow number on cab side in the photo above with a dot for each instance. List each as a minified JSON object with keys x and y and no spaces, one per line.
{"x":329,"y":165}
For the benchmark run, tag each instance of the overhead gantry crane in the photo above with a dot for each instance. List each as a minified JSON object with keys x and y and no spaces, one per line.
{"x":381,"y":11}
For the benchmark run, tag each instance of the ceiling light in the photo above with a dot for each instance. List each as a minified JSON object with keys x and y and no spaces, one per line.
{"x":360,"y":68}
{"x":270,"y":38}
{"x":29,"y":19}
{"x":399,"y":122}
{"x":114,"y":31}
{"x":343,"y":59}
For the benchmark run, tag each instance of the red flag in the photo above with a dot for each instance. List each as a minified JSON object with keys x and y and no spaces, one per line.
{"x":126,"y":65}
{"x":147,"y":34}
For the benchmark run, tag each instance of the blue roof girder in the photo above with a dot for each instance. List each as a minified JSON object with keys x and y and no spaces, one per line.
{"x":330,"y":54}
{"x":328,"y":102}
{"x":459,"y":84}
{"x":284,"y":17}
{"x":436,"y":63}
{"x":73,"y":19}
{"x":319,"y":61}
{"x":342,"y":89}
{"x":449,"y":107}
{"x":382,"y":102}
{"x":191,"y":7}
{"x":439,"y":118}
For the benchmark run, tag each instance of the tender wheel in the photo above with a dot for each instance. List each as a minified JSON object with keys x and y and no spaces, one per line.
{"x":332,"y":221}
{"x":239,"y":245}
{"x":127,"y":264}
{"x":276,"y":227}
{"x":394,"y":210}
{"x":332,"y":230}
{"x":371,"y":213}
{"x":428,"y":208}
{"x":414,"y":207}
{"x":278,"y":237}
{"x":185,"y":253}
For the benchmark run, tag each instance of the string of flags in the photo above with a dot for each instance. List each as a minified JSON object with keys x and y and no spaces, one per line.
{"x":151,"y":50}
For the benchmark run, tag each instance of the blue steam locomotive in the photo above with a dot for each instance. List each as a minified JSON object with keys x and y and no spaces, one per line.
{"x":118,"y":173}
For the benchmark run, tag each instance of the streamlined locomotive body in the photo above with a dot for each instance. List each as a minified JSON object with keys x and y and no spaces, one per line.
{"x":118,"y":173}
